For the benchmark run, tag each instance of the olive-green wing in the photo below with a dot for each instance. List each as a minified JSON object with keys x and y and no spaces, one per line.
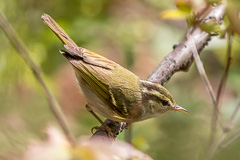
{"x":96,"y":70}
{"x":91,"y":58}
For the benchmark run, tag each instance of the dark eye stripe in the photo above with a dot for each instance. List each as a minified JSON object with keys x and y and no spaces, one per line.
{"x":163,"y":91}
{"x":164,"y":102}
{"x":159,"y":98}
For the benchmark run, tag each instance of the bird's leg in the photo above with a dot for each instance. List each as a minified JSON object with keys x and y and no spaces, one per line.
{"x":104,"y":127}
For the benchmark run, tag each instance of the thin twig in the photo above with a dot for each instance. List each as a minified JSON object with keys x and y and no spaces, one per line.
{"x":231,"y":140}
{"x":207,"y":84}
{"x":222,"y":84}
{"x":236,"y":136}
{"x":215,"y":146}
{"x":234,"y":114}
{"x":218,"y":143}
{"x":201,"y":71}
{"x":23,"y":51}
{"x":220,"y":92}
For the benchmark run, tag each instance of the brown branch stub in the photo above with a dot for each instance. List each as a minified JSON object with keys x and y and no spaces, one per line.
{"x":181,"y":58}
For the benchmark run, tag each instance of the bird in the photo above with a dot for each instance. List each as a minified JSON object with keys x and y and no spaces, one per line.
{"x":110,"y":89}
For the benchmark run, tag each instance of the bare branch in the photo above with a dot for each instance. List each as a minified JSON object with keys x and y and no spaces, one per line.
{"x":235,"y":112}
{"x":201,"y":71}
{"x":208,"y":86}
{"x":231,"y":140}
{"x":225,"y":75}
{"x":23,"y":51}
{"x":218,"y":145}
{"x":220,"y":92}
{"x":215,"y":146}
{"x":237,"y":135}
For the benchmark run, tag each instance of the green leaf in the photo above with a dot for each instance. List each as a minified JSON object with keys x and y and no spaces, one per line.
{"x":184,"y":5}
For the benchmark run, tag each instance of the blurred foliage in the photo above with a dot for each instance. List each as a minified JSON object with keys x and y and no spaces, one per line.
{"x":85,"y":150}
{"x":233,"y":14}
{"x":130,"y":33}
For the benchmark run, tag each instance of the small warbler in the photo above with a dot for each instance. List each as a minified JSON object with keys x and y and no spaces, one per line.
{"x":111,"y":90}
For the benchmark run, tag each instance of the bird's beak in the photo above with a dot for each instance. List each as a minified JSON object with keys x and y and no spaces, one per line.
{"x":180,"y":109}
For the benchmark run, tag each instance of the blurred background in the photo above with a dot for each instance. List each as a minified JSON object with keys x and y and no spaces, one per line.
{"x":130,"y":33}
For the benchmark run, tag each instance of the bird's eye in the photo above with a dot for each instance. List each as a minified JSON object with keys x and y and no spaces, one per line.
{"x":164,"y":102}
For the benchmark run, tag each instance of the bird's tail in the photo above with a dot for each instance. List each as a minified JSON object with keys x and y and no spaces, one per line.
{"x":62,"y":35}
